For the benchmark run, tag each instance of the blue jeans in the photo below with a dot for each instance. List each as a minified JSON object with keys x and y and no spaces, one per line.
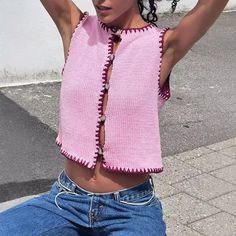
{"x":70,"y":210}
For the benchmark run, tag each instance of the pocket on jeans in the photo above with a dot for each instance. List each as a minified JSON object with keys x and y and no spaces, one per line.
{"x":146,"y":200}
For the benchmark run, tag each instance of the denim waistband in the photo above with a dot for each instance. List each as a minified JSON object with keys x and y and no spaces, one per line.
{"x":65,"y":182}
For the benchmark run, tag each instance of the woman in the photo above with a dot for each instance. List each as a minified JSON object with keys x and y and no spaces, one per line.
{"x":110,"y":89}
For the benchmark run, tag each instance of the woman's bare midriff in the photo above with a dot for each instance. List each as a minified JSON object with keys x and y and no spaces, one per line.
{"x":101,"y":180}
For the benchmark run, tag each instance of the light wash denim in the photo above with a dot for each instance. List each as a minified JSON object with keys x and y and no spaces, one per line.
{"x":70,"y":210}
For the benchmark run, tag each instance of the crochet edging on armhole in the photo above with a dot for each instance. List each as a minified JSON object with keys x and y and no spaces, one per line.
{"x":85,"y":16}
{"x":163,"y":92}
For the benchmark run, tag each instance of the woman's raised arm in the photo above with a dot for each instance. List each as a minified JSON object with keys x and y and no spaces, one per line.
{"x":64,"y":13}
{"x":66,"y":16}
{"x":192,"y":27}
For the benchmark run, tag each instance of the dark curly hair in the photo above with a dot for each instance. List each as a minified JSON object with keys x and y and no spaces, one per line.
{"x":151,"y":16}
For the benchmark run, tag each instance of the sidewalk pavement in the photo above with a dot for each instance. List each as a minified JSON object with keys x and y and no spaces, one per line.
{"x":197,"y":189}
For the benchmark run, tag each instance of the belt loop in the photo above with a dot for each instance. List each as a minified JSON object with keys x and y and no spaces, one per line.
{"x":59,"y":176}
{"x":117,"y":196}
{"x":152,"y":182}
{"x":73,"y":187}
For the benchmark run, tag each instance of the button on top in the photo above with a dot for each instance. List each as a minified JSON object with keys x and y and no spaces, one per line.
{"x":111,"y":57}
{"x":107,"y":86}
{"x":100,"y":150}
{"x":115,"y":29}
{"x":116,"y":38}
{"x":118,"y":32}
{"x":117,"y":35}
{"x":103,"y":118}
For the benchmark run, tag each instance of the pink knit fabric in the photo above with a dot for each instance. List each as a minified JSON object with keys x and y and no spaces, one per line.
{"x":132,"y":138}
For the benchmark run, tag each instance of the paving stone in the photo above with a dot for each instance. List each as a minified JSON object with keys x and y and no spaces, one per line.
{"x":211,"y":161}
{"x":222,"y":145}
{"x":221,"y":224}
{"x":193,"y":153}
{"x":163,"y":189}
{"x":174,"y":228}
{"x":226,"y":202}
{"x":176,"y":170}
{"x":226,"y":173}
{"x":205,"y":186}
{"x":186,"y":209}
{"x":231,"y":151}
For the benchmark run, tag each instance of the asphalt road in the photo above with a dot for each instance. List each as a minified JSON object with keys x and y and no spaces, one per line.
{"x":201,"y":111}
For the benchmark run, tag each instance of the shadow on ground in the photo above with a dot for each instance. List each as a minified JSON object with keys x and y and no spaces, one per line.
{"x":29,"y":157}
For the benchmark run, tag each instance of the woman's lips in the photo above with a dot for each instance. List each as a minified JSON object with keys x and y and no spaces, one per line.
{"x":103,"y":9}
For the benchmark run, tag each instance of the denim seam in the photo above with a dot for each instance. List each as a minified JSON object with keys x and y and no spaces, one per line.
{"x":90,"y":210}
{"x":139,"y":203}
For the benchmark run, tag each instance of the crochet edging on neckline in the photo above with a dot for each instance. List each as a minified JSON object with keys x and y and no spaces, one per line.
{"x":126,"y":30}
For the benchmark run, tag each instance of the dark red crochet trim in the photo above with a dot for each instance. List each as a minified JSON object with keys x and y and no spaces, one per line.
{"x":132,"y":170}
{"x":114,"y":169}
{"x":102,"y":93}
{"x":165,"y":91}
{"x":58,"y":142}
{"x":71,"y":157}
{"x":85,"y":15}
{"x":127,"y":30}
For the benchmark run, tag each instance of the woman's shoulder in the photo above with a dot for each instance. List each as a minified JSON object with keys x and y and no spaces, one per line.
{"x":88,"y":20}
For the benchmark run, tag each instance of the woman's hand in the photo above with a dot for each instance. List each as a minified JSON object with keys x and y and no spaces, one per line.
{"x":192,"y":27}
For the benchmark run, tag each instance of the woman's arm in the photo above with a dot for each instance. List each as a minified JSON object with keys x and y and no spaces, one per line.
{"x":192,"y":27}
{"x":65,"y":14}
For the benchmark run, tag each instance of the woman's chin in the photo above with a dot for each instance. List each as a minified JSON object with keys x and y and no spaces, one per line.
{"x":105,"y":20}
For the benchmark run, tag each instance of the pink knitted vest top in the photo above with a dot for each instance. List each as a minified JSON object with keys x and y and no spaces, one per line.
{"x":131,"y":122}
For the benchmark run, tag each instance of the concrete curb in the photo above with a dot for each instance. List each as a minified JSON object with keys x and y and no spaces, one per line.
{"x":6,"y":205}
